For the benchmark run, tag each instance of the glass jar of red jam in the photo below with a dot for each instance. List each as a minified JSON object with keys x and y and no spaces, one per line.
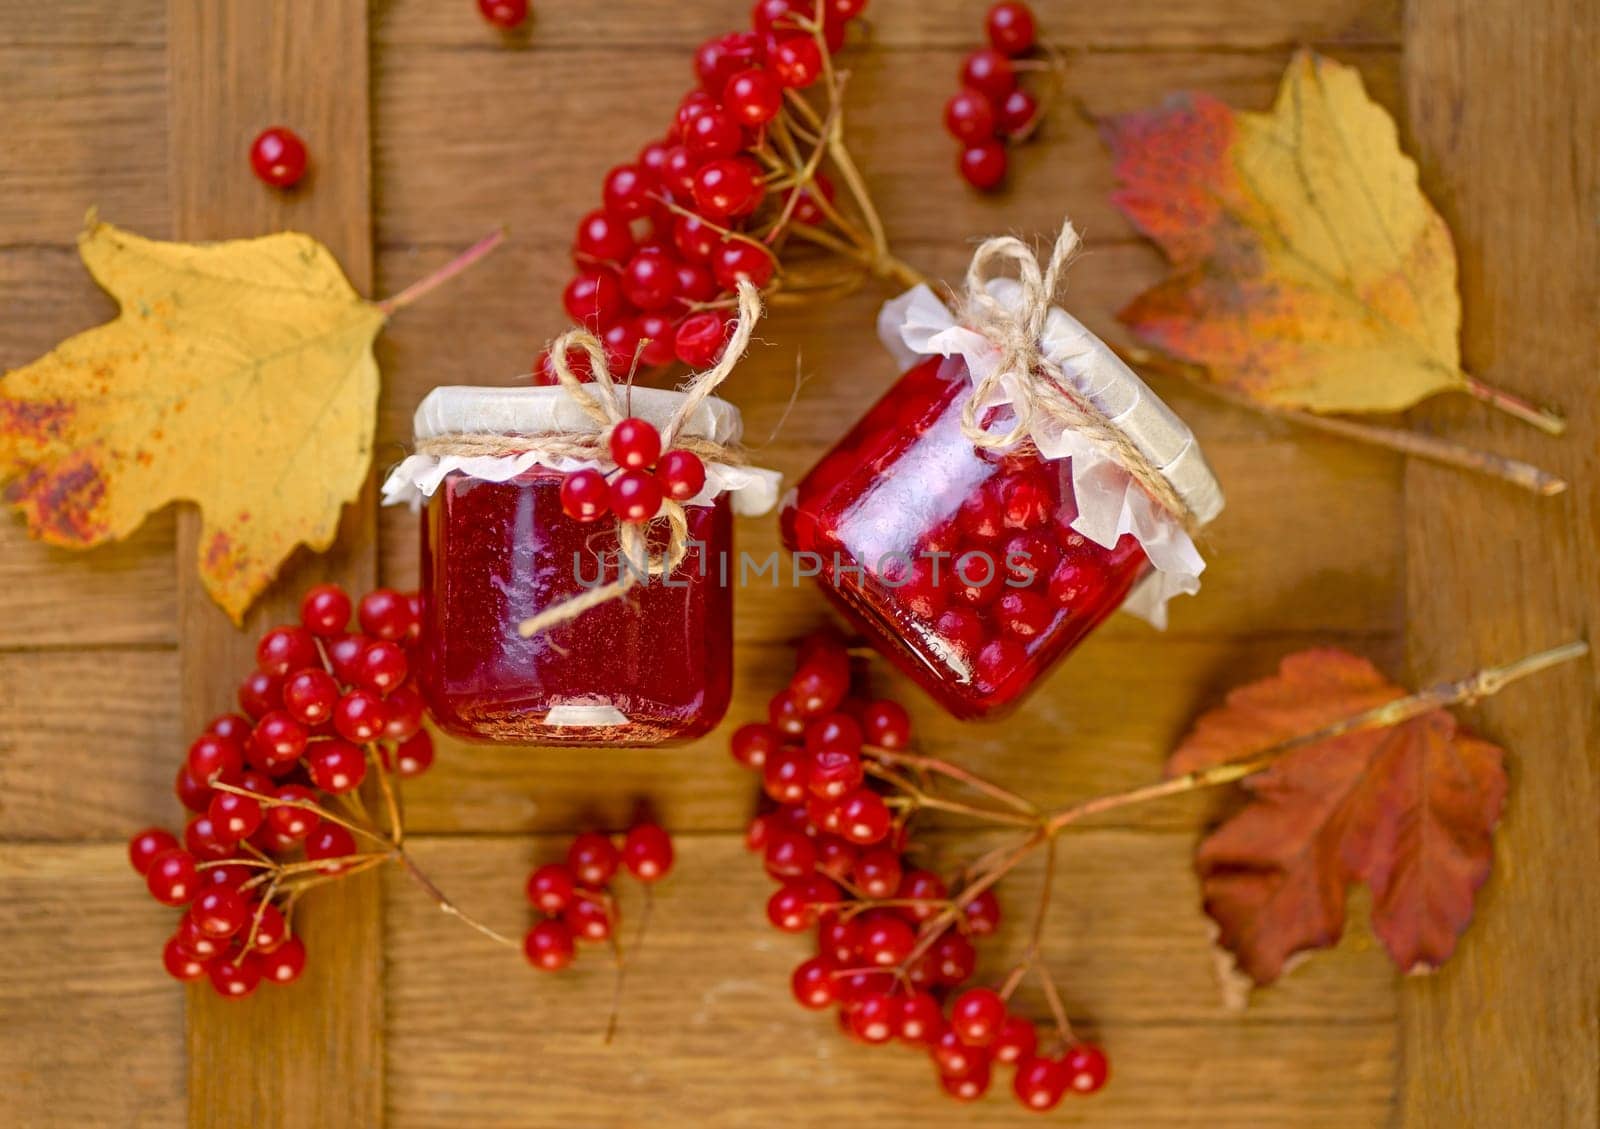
{"x":652,"y":666}
{"x":967,"y":566}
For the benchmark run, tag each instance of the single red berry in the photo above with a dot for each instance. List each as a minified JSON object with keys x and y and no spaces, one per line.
{"x":837,"y":732}
{"x":195,"y":943}
{"x":344,"y":653}
{"x":796,"y":60}
{"x":956,"y":1059}
{"x":578,"y":364}
{"x":1040,"y":1082}
{"x":212,"y":758}
{"x":701,"y":339}
{"x":551,"y":888}
{"x":732,"y":186}
{"x":740,"y":260}
{"x":1016,"y":1041}
{"x":402,"y":712}
{"x":1024,"y":614}
{"x":621,"y":343}
{"x":999,"y":662}
{"x":1011,"y":27}
{"x":864,"y":818}
{"x":205,"y":838}
{"x":1086,"y":1068}
{"x":771,"y":15}
{"x":649,"y":280}
{"x":309,"y":695}
{"x":976,"y":1016}
{"x":292,"y":822}
{"x":783,"y":711}
{"x":387,"y":614}
{"x":954,"y":959}
{"x":335,"y":766}
{"x":918,"y":1019}
{"x":230,"y":727}
{"x":590,"y":919}
{"x":506,"y":15}
{"x":969,"y":1087}
{"x":382,"y":667}
{"x":647,"y":852}
{"x":548,"y":946}
{"x":989,"y":72}
{"x":602,"y":238}
{"x":872,"y":1017}
{"x":277,"y":742}
{"x":585,"y":495}
{"x":278,"y":157}
{"x":984,"y":165}
{"x":234,"y":815}
{"x":359,"y":716}
{"x":789,"y":908}
{"x":784,"y":776}
{"x":969,"y":116}
{"x":1016,"y":113}
{"x":681,"y":474}
{"x":695,"y":238}
{"x":813,"y":985}
{"x":285,"y":963}
{"x":325,"y":610}
{"x":819,"y":686}
{"x":834,"y":773}
{"x":415,"y":754}
{"x":886,"y":939}
{"x":983,"y":914}
{"x":635,"y":444}
{"x":593,"y":859}
{"x":284,"y":649}
{"x":656,"y":339}
{"x":753,"y":97}
{"x":330,"y":841}
{"x":180,"y":963}
{"x":219,"y":912}
{"x":838,"y":942}
{"x":265,"y":928}
{"x":594,"y":299}
{"x":260,"y":693}
{"x":877,"y":873}
{"x":922,"y":886}
{"x":172,"y":877}
{"x":713,"y":133}
{"x":789,"y":854}
{"x":677,"y":175}
{"x":753,"y":743}
{"x":635,"y":496}
{"x":717,"y":60}
{"x":887,"y":724}
{"x":237,"y":977}
{"x":147,"y":844}
{"x":627,"y":192}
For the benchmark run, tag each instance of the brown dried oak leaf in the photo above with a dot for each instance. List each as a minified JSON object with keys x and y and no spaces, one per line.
{"x":1409,"y":810}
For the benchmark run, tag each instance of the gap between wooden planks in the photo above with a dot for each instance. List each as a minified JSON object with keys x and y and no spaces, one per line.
{"x":311,"y":1054}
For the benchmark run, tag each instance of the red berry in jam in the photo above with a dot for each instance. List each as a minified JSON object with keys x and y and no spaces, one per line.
{"x":635,"y":444}
{"x":507,"y":15}
{"x":976,"y":1016}
{"x":1040,"y":1083}
{"x":984,"y":165}
{"x":147,"y":844}
{"x":635,"y":496}
{"x":1015,"y":115}
{"x":1024,"y":614}
{"x":1086,"y":1068}
{"x":1000,"y":661}
{"x":1010,"y":26}
{"x":989,"y":72}
{"x":551,"y":889}
{"x":325,"y":610}
{"x":647,"y":852}
{"x":682,"y":475}
{"x":592,"y":858}
{"x":278,"y":157}
{"x":969,"y":116}
{"x":585,"y":495}
{"x":548,"y":946}
{"x":172,"y":877}
{"x":963,"y":630}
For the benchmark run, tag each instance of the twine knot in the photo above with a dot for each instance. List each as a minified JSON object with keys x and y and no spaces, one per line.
{"x":1041,"y":389}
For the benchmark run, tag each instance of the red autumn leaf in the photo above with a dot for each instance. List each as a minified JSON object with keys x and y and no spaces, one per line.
{"x":1408,"y":810}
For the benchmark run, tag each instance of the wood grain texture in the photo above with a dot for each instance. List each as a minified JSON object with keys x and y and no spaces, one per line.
{"x":236,"y":67}
{"x":710,"y":1036}
{"x":1508,"y":1032}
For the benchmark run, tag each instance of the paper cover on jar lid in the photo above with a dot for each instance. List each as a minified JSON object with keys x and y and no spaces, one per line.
{"x":917,"y":324}
{"x":551,"y":411}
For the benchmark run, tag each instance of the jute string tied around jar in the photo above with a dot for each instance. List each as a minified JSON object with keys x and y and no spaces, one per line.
{"x":1040,"y":387}
{"x":604,"y":403}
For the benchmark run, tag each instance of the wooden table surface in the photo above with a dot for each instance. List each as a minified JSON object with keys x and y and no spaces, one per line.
{"x":427,"y":131}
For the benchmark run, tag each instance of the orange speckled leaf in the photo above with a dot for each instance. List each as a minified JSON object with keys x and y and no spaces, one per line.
{"x":1308,"y":269}
{"x":1408,"y":810}
{"x":237,"y":375}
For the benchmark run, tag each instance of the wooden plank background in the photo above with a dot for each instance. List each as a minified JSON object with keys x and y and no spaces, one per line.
{"x":107,"y":660}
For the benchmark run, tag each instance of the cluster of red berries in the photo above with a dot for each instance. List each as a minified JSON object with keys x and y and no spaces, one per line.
{"x":679,"y":226}
{"x":507,"y":15}
{"x":643,"y":477}
{"x":321,"y":703}
{"x":278,"y":157}
{"x":991,"y":109}
{"x":575,"y":896}
{"x":894,"y":944}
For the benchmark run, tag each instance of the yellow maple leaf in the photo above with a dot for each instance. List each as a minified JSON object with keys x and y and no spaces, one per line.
{"x":1308,"y":268}
{"x":238,"y":375}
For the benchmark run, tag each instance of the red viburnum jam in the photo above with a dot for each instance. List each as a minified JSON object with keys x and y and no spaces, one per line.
{"x":960,"y":564}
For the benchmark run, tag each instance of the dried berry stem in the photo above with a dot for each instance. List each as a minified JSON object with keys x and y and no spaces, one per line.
{"x":431,"y":282}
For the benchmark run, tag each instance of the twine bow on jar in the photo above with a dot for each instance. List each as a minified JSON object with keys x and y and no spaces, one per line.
{"x":1038,"y":387}
{"x":603,"y":402}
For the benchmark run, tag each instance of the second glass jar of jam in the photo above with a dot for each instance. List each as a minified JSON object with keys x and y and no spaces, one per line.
{"x":651,"y":666}
{"x":965,"y":564}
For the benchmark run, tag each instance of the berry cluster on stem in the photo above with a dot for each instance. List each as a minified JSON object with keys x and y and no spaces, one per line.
{"x":993,"y":109}
{"x":644,"y":475}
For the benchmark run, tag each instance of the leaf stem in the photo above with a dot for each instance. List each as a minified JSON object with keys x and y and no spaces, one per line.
{"x":428,"y":283}
{"x":1547,"y":420}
